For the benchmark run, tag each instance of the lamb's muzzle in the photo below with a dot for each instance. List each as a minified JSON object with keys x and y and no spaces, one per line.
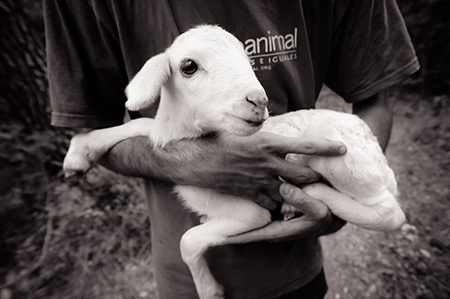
{"x":259,"y":100}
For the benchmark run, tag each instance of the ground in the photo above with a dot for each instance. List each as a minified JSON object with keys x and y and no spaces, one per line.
{"x":89,"y":238}
{"x":413,"y":262}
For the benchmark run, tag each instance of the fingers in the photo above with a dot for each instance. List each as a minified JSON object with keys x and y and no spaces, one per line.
{"x":311,"y":207}
{"x":297,"y":174}
{"x":316,"y":217}
{"x":335,"y":225}
{"x":307,"y":146}
{"x":274,"y":231}
{"x":274,"y":193}
{"x":316,"y":222}
{"x":317,"y":212}
{"x":266,"y":201}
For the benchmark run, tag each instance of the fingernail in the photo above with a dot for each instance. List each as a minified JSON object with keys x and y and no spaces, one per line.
{"x":286,"y":189}
{"x":342,"y":150}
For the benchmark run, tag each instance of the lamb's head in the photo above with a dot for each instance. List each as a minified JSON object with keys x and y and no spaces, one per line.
{"x":206,"y":84}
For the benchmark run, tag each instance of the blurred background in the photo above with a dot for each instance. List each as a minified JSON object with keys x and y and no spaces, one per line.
{"x":89,"y":237}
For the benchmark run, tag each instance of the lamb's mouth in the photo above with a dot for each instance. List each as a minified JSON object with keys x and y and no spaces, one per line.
{"x":253,"y":123}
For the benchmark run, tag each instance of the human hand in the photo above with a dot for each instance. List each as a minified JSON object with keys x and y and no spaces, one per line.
{"x":316,"y":221}
{"x":250,"y":166}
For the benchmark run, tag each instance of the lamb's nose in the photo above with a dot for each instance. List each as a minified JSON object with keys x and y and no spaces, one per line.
{"x":258,"y":99}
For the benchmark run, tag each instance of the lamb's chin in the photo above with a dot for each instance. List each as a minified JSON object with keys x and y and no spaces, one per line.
{"x":240,"y":127}
{"x":244,"y":130}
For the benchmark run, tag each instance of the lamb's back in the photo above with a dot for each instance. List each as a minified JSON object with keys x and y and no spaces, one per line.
{"x":362,"y":173}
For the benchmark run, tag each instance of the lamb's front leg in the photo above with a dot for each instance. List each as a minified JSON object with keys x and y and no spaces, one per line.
{"x":198,"y":239}
{"x":86,"y":148}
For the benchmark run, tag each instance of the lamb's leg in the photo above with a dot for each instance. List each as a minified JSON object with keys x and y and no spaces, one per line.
{"x":197,"y":240}
{"x":385,"y":214}
{"x":87,"y":148}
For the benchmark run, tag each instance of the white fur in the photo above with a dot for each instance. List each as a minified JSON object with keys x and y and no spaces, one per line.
{"x":206,"y":101}
{"x":225,"y":95}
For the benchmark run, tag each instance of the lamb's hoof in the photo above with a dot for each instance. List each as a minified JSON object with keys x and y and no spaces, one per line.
{"x":79,"y":157}
{"x":219,"y":296}
{"x":216,"y":292}
{"x":291,"y":215}
{"x":75,"y":165}
{"x":213,"y":296}
{"x":290,"y":212}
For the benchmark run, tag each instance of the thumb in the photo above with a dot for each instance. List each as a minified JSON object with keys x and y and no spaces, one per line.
{"x":298,"y":198}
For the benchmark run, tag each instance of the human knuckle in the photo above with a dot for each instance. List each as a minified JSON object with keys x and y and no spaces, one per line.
{"x":259,"y":175}
{"x":265,"y":146}
{"x":269,"y":165}
{"x":263,"y":201}
{"x":309,"y":147}
{"x":269,"y":183}
{"x":305,"y":175}
{"x":301,"y":199}
{"x":324,"y":215}
{"x":331,"y":150}
{"x":249,"y":191}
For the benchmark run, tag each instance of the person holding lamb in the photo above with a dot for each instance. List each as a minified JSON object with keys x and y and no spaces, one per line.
{"x":357,"y":48}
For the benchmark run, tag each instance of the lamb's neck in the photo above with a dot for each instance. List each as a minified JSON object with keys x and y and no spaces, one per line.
{"x":174,"y":122}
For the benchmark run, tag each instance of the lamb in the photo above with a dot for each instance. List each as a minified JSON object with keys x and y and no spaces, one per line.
{"x":206,"y":84}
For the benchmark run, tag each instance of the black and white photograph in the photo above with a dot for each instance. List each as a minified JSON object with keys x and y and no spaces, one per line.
{"x":224,"y":149}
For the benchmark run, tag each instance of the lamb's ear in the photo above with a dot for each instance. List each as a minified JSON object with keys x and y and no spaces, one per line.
{"x":145,"y":87}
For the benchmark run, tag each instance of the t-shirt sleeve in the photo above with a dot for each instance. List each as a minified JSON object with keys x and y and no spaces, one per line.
{"x":86,"y":72}
{"x":371,"y":50}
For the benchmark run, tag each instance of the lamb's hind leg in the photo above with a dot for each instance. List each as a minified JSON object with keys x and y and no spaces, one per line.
{"x":197,"y":240}
{"x":383,"y":215}
{"x":87,"y":148}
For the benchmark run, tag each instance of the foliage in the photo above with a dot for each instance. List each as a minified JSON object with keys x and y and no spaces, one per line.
{"x":88,"y":237}
{"x":22,"y":67}
{"x":59,"y":239}
{"x":429,"y":27}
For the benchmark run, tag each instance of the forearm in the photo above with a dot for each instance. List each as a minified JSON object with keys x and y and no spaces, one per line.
{"x":137,"y":157}
{"x":247,"y":166}
{"x":208,"y":163}
{"x":376,"y":111}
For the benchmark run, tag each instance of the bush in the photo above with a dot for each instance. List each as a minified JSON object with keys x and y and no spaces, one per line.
{"x":428,"y":25}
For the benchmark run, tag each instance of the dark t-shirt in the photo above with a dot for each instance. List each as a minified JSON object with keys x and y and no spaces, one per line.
{"x":95,"y":47}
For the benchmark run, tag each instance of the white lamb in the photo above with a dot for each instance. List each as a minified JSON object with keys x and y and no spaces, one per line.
{"x":206,"y":85}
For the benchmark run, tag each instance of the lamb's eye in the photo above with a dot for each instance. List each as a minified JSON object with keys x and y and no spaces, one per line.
{"x":188,"y":67}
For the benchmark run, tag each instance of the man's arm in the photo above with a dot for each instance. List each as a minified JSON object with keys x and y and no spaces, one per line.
{"x":376,"y":111}
{"x":245,"y":166}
